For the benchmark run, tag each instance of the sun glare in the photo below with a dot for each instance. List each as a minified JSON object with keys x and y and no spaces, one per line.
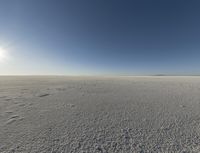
{"x":3,"y":55}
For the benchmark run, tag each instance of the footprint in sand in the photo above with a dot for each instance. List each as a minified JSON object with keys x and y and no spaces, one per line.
{"x":60,"y":89}
{"x":182,"y":106}
{"x":30,"y":104}
{"x":24,"y":89}
{"x":8,"y":99}
{"x":44,"y":95}
{"x":10,"y":121}
{"x":13,"y":119}
{"x":14,"y":116}
{"x":21,"y":105}
{"x":9,"y":112}
{"x":71,"y":105}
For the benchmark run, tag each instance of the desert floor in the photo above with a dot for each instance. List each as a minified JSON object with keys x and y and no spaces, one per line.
{"x":99,"y":114}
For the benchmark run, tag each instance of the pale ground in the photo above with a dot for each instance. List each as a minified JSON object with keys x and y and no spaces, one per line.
{"x":99,"y":114}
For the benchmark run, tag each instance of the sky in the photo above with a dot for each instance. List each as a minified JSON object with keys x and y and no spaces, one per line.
{"x":99,"y":37}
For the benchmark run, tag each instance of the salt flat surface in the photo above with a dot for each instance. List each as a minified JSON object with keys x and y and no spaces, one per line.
{"x":99,"y":114}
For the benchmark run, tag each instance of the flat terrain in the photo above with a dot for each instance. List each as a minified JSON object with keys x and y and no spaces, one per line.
{"x":99,"y":114}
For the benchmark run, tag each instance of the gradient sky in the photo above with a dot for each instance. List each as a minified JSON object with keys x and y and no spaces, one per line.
{"x":98,"y":37}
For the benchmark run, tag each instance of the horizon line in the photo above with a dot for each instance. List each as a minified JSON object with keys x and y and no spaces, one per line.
{"x":86,"y":75}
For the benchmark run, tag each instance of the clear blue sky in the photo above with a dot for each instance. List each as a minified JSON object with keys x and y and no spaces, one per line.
{"x":91,"y":37}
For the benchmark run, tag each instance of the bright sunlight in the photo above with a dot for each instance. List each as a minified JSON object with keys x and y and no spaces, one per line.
{"x":3,"y":55}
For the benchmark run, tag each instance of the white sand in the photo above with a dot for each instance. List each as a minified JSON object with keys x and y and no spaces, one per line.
{"x":99,"y":114}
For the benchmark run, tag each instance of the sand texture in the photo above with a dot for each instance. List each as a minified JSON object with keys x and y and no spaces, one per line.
{"x":99,"y":114}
